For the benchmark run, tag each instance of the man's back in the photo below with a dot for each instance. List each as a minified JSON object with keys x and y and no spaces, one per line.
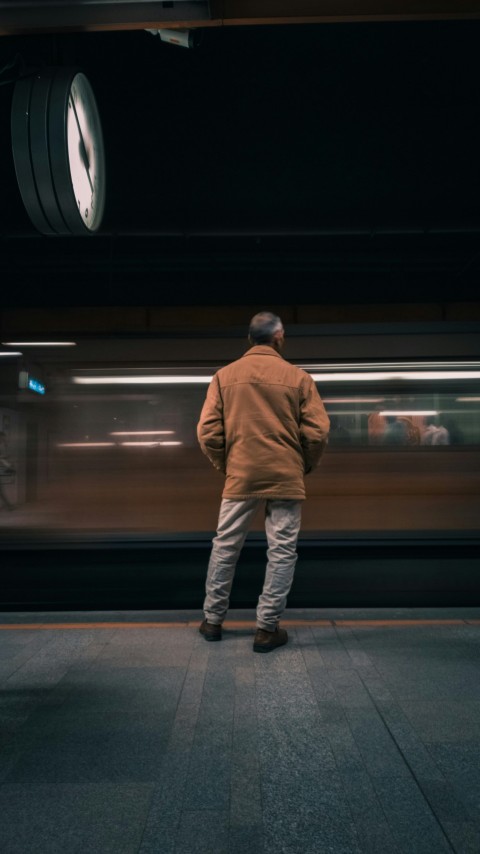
{"x":272,"y":423}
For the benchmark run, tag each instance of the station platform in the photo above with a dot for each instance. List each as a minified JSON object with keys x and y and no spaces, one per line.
{"x":126,"y":732}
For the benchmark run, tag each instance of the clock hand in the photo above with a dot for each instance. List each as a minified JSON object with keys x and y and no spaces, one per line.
{"x":83,"y":150}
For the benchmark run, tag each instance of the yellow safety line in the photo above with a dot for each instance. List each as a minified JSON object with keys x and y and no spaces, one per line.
{"x":91,"y":625}
{"x":240,"y":624}
{"x":418,"y":622}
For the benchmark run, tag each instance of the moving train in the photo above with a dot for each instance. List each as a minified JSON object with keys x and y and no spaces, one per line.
{"x":108,"y":454}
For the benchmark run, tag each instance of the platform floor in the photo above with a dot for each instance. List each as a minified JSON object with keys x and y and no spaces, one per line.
{"x":127,"y":732}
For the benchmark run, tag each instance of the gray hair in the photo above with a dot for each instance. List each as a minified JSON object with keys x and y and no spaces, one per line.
{"x":263,"y":327}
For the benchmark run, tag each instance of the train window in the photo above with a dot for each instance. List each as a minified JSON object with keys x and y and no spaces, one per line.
{"x":395,"y":421}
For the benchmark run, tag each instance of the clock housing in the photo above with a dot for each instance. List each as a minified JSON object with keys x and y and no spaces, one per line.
{"x":58,"y":151}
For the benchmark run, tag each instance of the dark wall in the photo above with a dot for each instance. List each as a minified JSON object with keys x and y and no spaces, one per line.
{"x":363,"y":136}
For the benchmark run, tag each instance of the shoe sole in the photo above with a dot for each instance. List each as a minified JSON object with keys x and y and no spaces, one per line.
{"x":209,"y":637}
{"x":267,"y":648}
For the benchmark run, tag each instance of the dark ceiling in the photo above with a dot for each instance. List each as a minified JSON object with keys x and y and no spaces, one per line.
{"x":307,"y":162}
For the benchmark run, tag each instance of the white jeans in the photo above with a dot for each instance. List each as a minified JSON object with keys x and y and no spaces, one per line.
{"x":282,"y":526}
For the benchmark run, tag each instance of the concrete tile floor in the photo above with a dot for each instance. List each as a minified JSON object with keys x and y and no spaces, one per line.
{"x":126,"y":732}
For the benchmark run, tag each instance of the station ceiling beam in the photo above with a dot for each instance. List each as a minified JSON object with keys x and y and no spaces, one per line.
{"x":36,"y":16}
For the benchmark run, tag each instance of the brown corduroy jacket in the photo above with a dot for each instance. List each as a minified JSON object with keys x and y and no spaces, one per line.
{"x":263,"y":424}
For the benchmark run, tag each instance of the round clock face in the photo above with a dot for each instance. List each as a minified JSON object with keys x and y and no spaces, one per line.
{"x":58,"y":151}
{"x":85,"y":152}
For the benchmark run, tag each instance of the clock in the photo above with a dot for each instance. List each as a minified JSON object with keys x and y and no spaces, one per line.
{"x":58,"y":151}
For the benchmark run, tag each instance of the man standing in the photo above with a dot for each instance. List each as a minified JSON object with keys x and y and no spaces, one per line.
{"x":264,"y":426}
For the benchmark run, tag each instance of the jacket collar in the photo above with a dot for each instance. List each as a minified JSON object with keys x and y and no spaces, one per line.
{"x":262,"y":350}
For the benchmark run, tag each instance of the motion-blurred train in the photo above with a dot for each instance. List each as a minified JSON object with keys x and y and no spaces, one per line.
{"x":109,"y":452}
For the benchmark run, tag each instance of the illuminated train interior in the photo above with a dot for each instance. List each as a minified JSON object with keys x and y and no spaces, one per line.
{"x":112,"y":451}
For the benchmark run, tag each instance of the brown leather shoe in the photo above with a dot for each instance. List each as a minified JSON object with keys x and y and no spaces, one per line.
{"x":210,"y":631}
{"x":266,"y":641}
